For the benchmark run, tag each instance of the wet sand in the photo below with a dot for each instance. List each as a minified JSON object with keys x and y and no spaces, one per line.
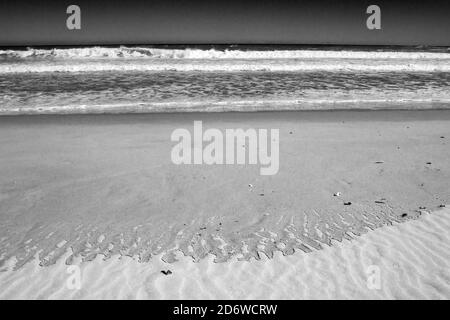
{"x":105,"y":184}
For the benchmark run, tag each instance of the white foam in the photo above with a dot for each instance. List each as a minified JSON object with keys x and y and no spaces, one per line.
{"x":238,"y":106}
{"x":149,"y":59}
{"x":155,"y":53}
{"x":231,"y":66}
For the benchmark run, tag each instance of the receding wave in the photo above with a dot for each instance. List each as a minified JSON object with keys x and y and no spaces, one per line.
{"x":127,"y":92}
{"x":235,"y":106}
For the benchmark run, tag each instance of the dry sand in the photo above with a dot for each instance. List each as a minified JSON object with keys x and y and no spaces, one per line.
{"x":105,"y":185}
{"x":412,"y":260}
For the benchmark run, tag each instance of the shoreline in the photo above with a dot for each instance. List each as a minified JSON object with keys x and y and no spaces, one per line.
{"x":201,"y":107}
{"x":424,"y":114}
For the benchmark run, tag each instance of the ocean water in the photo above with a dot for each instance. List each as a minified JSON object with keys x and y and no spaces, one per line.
{"x":121,"y":79}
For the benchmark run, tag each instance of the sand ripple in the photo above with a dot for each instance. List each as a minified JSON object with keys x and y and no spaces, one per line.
{"x":411,"y":259}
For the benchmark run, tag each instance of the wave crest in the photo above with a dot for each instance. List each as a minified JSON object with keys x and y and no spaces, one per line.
{"x":124,"y":52}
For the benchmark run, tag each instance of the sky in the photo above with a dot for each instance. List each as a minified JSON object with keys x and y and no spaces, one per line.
{"x":103,"y":22}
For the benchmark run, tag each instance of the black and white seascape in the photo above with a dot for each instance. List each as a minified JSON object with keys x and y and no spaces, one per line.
{"x":118,"y":180}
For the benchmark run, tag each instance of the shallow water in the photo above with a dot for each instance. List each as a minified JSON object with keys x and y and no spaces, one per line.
{"x":41,"y":90}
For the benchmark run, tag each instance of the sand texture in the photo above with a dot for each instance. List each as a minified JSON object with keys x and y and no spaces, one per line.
{"x":104,"y":187}
{"x":412,"y":260}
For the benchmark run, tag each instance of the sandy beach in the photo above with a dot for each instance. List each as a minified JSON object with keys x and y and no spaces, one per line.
{"x":82,"y":188}
{"x":191,"y":152}
{"x":412,"y":260}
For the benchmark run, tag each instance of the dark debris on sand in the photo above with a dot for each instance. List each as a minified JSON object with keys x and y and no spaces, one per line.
{"x":166,"y":272}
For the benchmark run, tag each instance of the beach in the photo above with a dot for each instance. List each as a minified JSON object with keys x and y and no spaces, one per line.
{"x":224,"y":172}
{"x":354,"y":189}
{"x":412,"y":259}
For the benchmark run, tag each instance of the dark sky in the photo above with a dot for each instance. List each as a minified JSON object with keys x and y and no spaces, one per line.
{"x":38,"y":22}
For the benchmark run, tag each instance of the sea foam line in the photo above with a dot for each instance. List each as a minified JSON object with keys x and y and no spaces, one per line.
{"x":236,"y":106}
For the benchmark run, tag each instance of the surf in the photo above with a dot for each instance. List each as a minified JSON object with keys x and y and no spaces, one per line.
{"x":229,"y":59}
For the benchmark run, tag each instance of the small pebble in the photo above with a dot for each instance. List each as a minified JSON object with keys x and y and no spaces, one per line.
{"x":404,"y":215}
{"x":347,"y":203}
{"x":168,"y":272}
{"x":442,"y":206}
{"x":337,"y":194}
{"x":379,"y":161}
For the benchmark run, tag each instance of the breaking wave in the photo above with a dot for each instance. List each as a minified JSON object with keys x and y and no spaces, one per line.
{"x":156,"y":53}
{"x":139,"y":79}
{"x":229,"y":60}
